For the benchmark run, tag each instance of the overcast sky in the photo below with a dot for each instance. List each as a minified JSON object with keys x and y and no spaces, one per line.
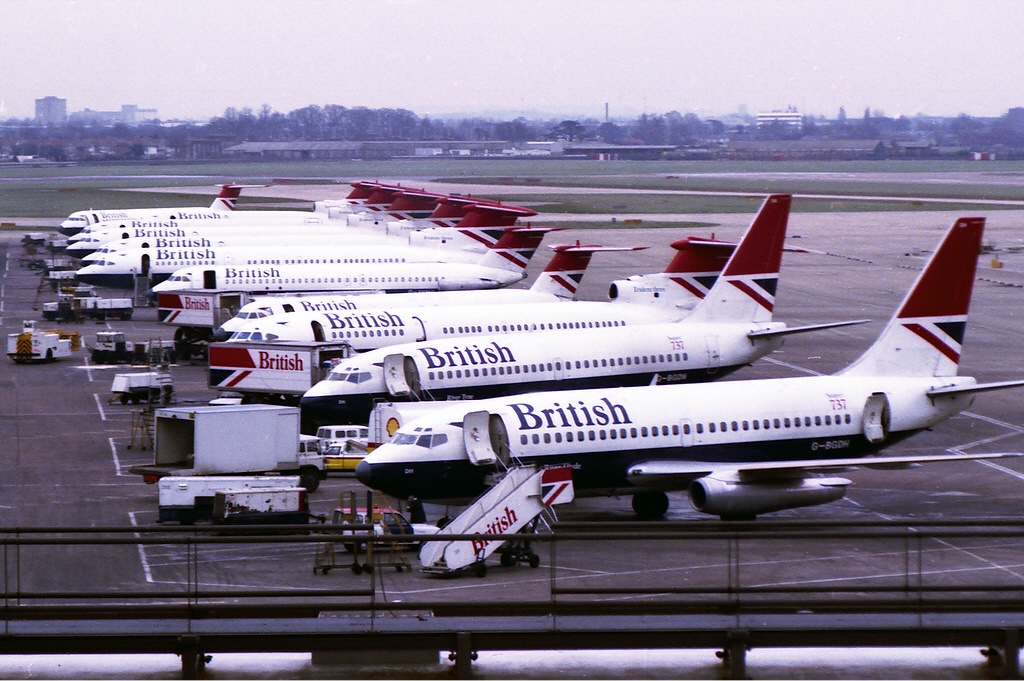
{"x":195,"y":58}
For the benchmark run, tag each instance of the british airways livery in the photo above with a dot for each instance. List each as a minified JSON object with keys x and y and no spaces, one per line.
{"x":731,"y":328}
{"x":285,"y":317}
{"x":219,"y":209}
{"x":308,"y":268}
{"x":741,"y":448}
{"x":390,"y":320}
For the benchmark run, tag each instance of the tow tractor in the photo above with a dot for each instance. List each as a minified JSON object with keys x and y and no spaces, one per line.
{"x":39,"y":345}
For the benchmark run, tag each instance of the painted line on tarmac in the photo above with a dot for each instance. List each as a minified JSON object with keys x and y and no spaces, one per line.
{"x":99,"y":406}
{"x":113,"y":451}
{"x":142,"y":549}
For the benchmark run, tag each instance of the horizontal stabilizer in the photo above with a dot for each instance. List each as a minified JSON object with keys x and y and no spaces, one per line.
{"x":971,"y":389}
{"x":770,"y":333}
{"x":760,"y":469}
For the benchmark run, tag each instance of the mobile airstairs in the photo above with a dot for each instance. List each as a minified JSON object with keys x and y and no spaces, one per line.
{"x":507,"y":511}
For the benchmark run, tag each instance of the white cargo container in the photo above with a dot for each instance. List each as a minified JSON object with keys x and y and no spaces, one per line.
{"x":188,"y":499}
{"x":231,"y":439}
{"x":279,"y":505}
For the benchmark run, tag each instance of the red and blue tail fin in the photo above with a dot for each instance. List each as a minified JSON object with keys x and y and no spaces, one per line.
{"x":926,"y":334}
{"x":515,"y":248}
{"x":745,"y":291}
{"x":564,"y":272}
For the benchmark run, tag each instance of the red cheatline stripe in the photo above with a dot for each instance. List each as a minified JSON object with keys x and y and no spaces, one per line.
{"x":170,"y":317}
{"x":559,"y":474}
{"x":550,"y":498}
{"x":567,"y":285}
{"x":689,"y":286}
{"x":935,"y":342}
{"x":227,"y":357}
{"x":241,"y":376}
{"x":761,"y":300}
{"x":513,"y":257}
{"x":477,"y":236}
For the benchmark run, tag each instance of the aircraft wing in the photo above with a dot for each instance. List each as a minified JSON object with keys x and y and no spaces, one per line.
{"x":656,"y":470}
{"x":768,"y":333}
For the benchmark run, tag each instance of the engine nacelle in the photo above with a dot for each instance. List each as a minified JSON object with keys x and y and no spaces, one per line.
{"x":734,"y":500}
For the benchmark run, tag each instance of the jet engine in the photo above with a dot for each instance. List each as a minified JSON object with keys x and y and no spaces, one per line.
{"x":736,"y":500}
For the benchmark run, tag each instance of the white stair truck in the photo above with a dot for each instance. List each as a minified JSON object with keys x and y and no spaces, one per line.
{"x":502,"y":511}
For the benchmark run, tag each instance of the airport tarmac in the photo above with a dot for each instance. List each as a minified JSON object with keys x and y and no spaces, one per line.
{"x":65,"y":447}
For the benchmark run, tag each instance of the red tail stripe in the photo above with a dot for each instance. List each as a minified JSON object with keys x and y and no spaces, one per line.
{"x":746,"y":288}
{"x":934,"y":341}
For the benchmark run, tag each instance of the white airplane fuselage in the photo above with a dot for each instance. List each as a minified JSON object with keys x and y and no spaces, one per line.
{"x":606,"y":434}
{"x":606,"y":354}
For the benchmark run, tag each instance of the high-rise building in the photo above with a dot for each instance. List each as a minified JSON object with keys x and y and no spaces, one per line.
{"x":51,"y":111}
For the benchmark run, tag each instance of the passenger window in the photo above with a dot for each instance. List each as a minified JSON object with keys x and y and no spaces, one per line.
{"x":735,"y":426}
{"x":817,"y":420}
{"x":785,"y":422}
{"x":700,"y":427}
{"x":828,"y":420}
{"x":643,"y":431}
{"x":711,"y":427}
{"x":536,"y":439}
{"x":686,"y":429}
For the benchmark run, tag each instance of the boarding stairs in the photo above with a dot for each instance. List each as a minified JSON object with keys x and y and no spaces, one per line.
{"x":514,"y":503}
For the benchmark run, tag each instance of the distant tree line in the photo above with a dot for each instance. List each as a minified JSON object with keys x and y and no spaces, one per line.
{"x":361,"y":124}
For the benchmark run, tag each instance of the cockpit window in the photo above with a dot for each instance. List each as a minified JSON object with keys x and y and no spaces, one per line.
{"x":426,"y":440}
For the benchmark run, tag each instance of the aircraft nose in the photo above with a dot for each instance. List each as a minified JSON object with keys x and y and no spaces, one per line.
{"x":364,"y":473}
{"x":220,"y":335}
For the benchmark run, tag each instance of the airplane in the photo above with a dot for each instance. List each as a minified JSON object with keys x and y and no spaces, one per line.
{"x":741,"y":448}
{"x":574,"y":345}
{"x":222,"y":205}
{"x":342,"y":268}
{"x":697,"y":258}
{"x":259,"y":319}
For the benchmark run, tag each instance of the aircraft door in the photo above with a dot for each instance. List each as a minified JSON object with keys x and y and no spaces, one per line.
{"x":145,"y":265}
{"x":318,"y":331}
{"x":486,"y":439}
{"x":418,"y":330}
{"x":714,"y":354}
{"x":559,"y":369}
{"x":401,"y":377}
{"x":875,"y":420}
{"x":209,"y":278}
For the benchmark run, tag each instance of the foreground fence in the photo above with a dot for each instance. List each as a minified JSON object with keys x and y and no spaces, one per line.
{"x":729,"y":587}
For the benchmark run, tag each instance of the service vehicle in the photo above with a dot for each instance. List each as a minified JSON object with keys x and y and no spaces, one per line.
{"x":196,"y":314}
{"x":149,"y":386}
{"x":230,"y":440}
{"x":112,"y":347}
{"x":385,"y":521}
{"x":81,"y":302}
{"x":39,"y":345}
{"x":275,"y":373}
{"x":276,"y":505}
{"x":187,"y":499}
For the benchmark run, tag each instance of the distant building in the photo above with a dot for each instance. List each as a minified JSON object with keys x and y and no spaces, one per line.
{"x":128,"y":115}
{"x":788,"y":120}
{"x":51,"y":111}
